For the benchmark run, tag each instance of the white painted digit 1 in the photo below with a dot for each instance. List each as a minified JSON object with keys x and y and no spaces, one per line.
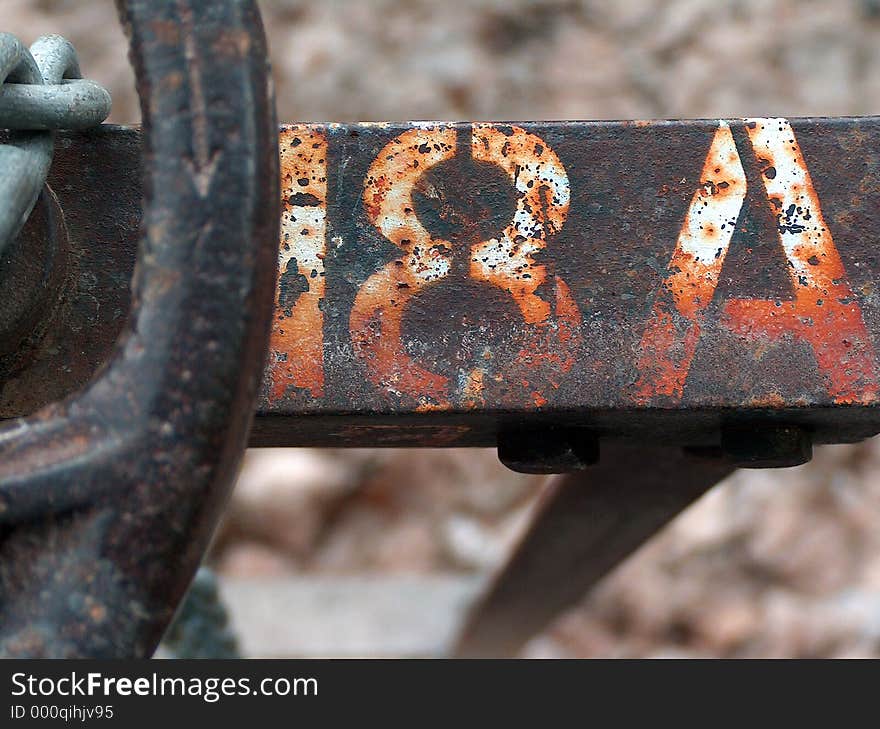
{"x":296,"y":348}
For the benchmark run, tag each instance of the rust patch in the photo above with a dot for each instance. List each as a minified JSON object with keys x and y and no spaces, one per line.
{"x":377,"y":315}
{"x":824,"y":311}
{"x":548,"y":342}
{"x":670,"y":339}
{"x":296,"y":356}
{"x":552,"y":336}
{"x":543,"y":197}
{"x":630,"y":290}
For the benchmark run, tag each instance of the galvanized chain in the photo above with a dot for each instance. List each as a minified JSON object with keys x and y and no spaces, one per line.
{"x":41,"y":90}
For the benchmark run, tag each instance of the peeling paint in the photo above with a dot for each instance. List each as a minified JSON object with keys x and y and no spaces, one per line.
{"x":296,"y":345}
{"x":647,"y":326}
{"x":377,"y":315}
{"x":675,"y":322}
{"x":429,"y":329}
{"x":542,"y":197}
{"x":824,"y":311}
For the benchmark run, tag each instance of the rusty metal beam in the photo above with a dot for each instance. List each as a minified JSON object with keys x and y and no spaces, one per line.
{"x":444,"y":284}
{"x":584,"y":525}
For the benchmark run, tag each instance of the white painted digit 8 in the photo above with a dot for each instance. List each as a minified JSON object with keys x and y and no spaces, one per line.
{"x":549,"y":341}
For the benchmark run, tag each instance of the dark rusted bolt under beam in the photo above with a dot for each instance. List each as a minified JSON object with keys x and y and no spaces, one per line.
{"x":763,"y":446}
{"x":547,"y":450}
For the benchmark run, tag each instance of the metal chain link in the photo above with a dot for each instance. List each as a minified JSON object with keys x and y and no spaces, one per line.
{"x":41,"y":90}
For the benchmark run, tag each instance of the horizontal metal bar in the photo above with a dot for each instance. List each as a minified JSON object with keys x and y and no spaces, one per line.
{"x":441,"y":283}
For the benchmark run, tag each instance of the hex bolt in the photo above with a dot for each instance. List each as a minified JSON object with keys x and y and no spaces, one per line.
{"x":547,"y":449}
{"x":766,"y":446}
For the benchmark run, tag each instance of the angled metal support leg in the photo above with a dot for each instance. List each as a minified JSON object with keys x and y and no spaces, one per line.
{"x":585,"y":524}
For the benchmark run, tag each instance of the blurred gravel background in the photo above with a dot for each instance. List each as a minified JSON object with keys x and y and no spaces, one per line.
{"x":770,"y":563}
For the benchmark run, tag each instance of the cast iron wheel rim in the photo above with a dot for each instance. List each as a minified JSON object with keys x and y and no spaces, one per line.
{"x":108,"y":499}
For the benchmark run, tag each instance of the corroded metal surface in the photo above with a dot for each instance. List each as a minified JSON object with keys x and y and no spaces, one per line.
{"x":442,"y":283}
{"x":103,"y":231}
{"x":34,"y":278}
{"x":662,"y":278}
{"x":108,"y":499}
{"x":298,"y":324}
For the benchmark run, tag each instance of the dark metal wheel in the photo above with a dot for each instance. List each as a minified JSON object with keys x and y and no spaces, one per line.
{"x":108,"y":499}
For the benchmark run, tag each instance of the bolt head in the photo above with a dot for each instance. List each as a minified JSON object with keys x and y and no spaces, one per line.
{"x":766,"y":446}
{"x":547,"y":450}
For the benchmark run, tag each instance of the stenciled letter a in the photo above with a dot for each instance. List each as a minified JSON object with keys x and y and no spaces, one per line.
{"x":823,"y":311}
